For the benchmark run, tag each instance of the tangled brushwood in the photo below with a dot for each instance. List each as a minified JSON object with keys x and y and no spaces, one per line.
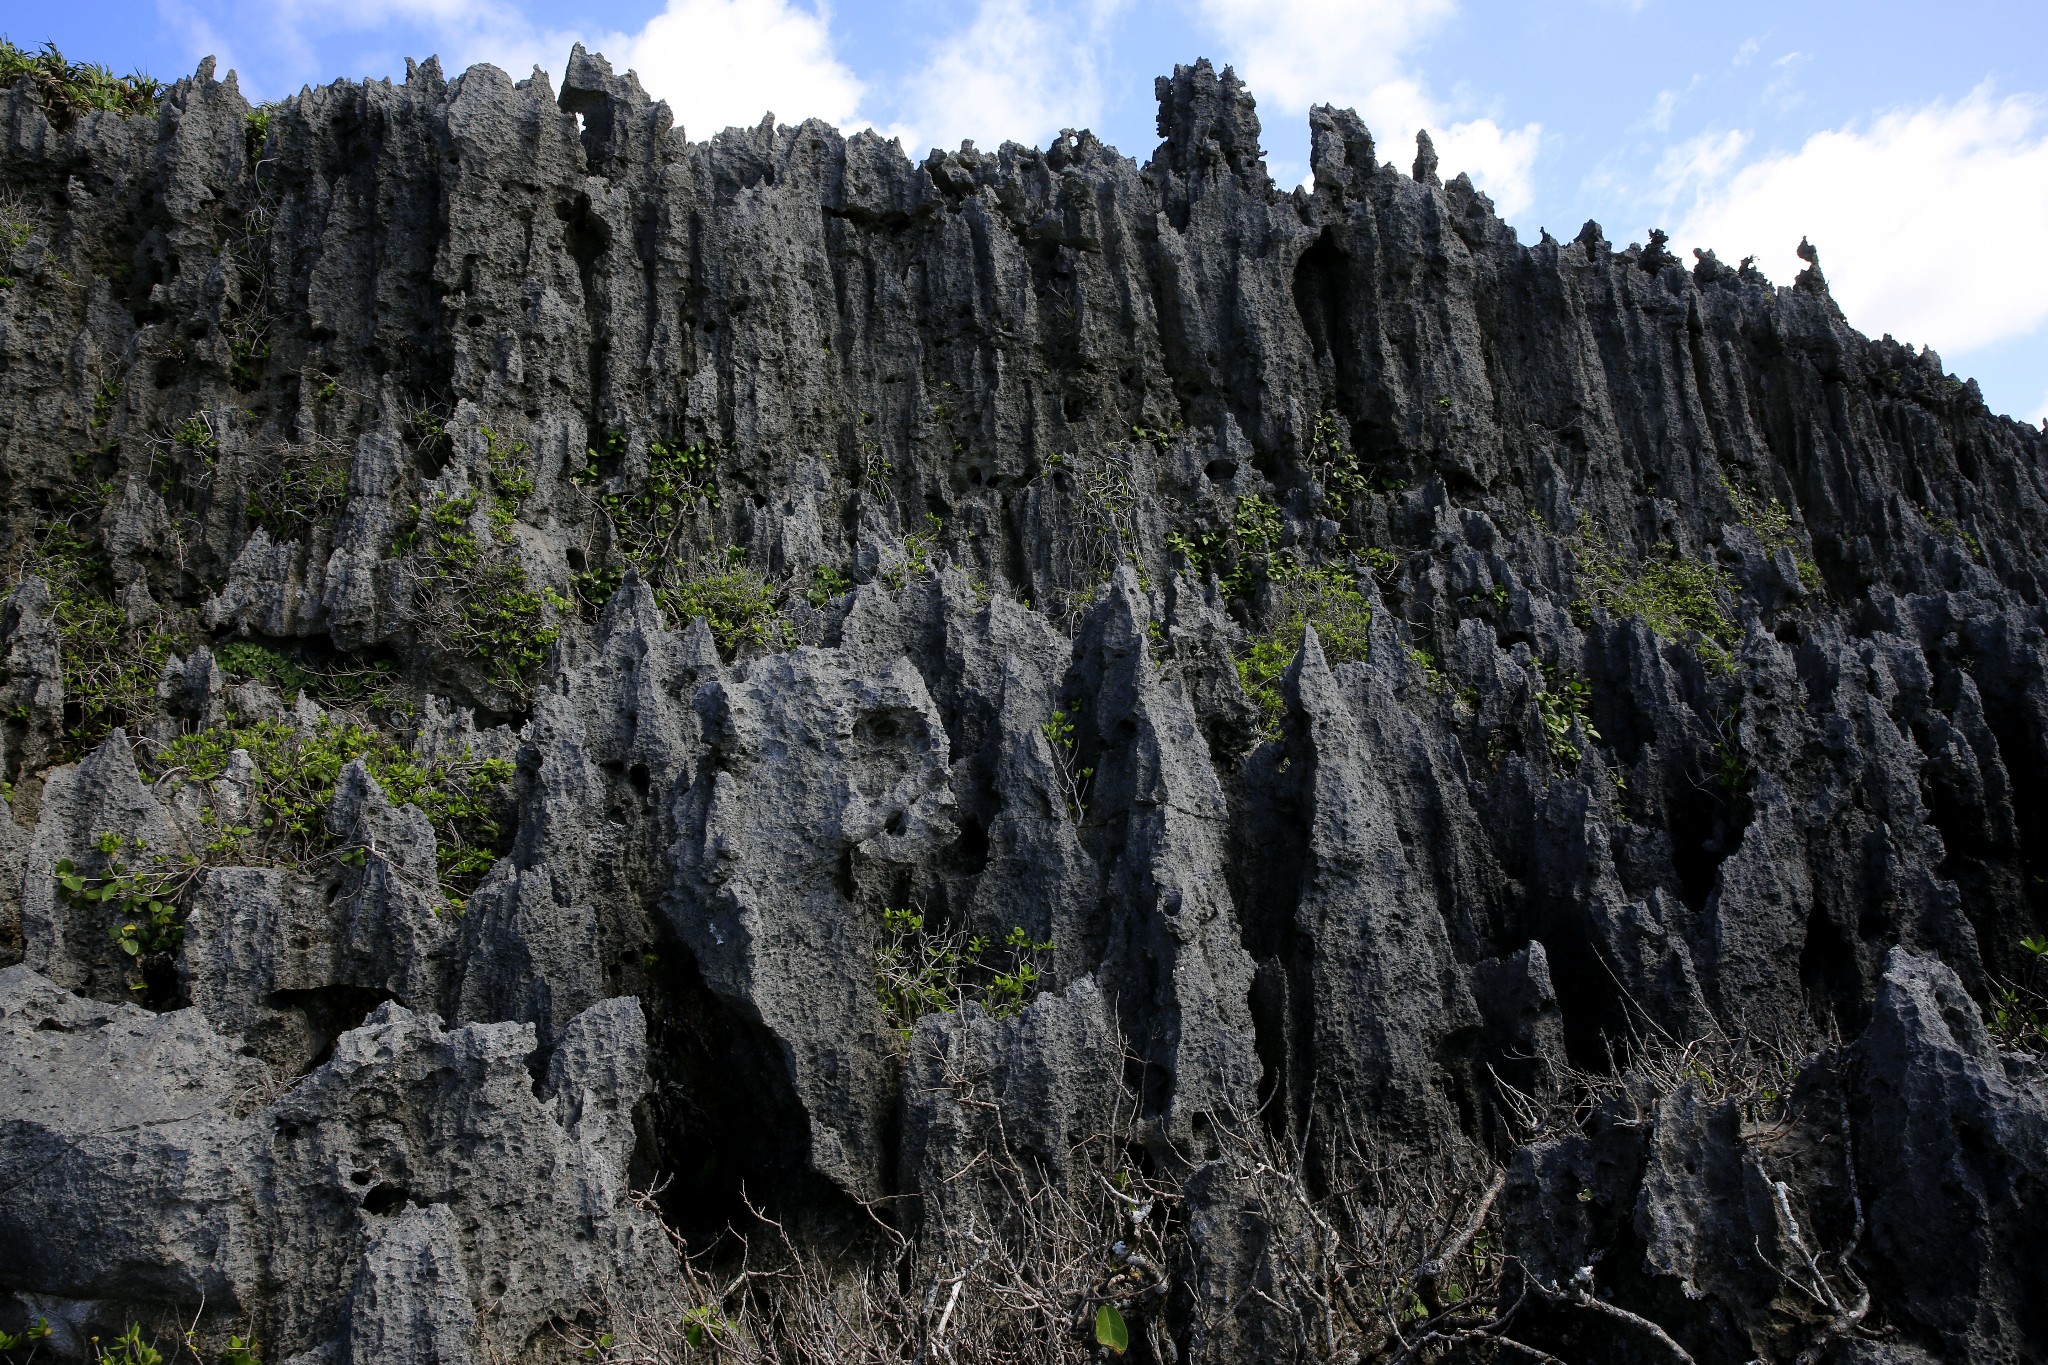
{"x":1353,"y":1246}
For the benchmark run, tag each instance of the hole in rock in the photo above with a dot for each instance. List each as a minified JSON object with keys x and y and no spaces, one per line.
{"x":328,"y":1012}
{"x":384,"y":1200}
{"x":895,"y":825}
{"x":972,"y":846}
{"x":722,"y":1128}
{"x":1220,"y":471}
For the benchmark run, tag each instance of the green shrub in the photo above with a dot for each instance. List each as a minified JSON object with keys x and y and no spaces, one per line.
{"x":147,"y":916}
{"x":1679,"y":599}
{"x":1563,"y":707}
{"x":68,"y":90}
{"x":919,"y":971}
{"x":1768,"y":520}
{"x":826,"y":584}
{"x":739,"y":605}
{"x":473,"y":594}
{"x":467,"y":800}
{"x":653,"y":524}
{"x":247,"y":659}
{"x":1333,"y":464}
{"x":1327,"y":600}
{"x":1062,"y":733}
{"x":111,"y":667}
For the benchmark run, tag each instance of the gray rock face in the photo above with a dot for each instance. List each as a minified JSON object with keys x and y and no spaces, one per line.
{"x":1694,"y":678}
{"x":355,"y":1215}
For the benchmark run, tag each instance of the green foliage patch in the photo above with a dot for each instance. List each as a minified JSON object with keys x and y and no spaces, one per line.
{"x":111,"y":665}
{"x":1563,"y":706}
{"x":473,"y":594}
{"x":739,"y":605}
{"x":68,"y":90}
{"x":147,"y":919}
{"x":656,"y":525}
{"x":291,"y":675}
{"x":1327,"y":599}
{"x":920,"y":971}
{"x":826,"y":584}
{"x":1768,"y":520}
{"x":467,"y":800}
{"x":1680,"y":599}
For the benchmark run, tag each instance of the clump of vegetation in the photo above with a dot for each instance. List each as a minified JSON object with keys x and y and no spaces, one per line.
{"x":28,"y":1336}
{"x":920,"y":971}
{"x":739,"y":605}
{"x":655,"y":529}
{"x":1563,"y":707}
{"x":1947,"y":526}
{"x":1433,"y":678}
{"x":147,"y":918}
{"x":69,"y":90}
{"x":1771,"y":524}
{"x":467,"y":800}
{"x":1334,"y":467}
{"x":1061,"y":733}
{"x":652,"y":523}
{"x":919,"y":560}
{"x":1680,"y":599}
{"x":296,"y":487}
{"x":248,"y":659}
{"x":471,"y":591}
{"x":826,"y":584}
{"x":111,"y":665}
{"x":2018,"y":1016}
{"x":1327,"y":599}
{"x":1092,"y":521}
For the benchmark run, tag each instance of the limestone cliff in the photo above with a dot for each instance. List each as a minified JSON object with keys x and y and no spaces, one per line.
{"x":549,"y":662}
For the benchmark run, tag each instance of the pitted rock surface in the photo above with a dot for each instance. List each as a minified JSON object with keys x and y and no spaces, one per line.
{"x":997,"y":428}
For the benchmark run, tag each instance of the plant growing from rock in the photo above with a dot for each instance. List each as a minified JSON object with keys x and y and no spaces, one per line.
{"x":1327,"y":599}
{"x":1563,"y":707}
{"x":1771,"y":524}
{"x":146,"y":919}
{"x":297,"y":486}
{"x":470,"y":592}
{"x":466,"y":799}
{"x":1681,"y":600}
{"x":920,"y":971}
{"x":70,"y":90}
{"x":111,"y":663}
{"x":1062,"y":736}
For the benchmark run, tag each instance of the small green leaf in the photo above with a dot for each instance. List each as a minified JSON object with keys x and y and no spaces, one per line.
{"x":1110,"y":1330}
{"x":131,"y":947}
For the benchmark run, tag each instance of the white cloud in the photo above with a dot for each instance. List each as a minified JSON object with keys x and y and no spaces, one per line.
{"x":724,"y":62}
{"x":1928,"y":221}
{"x":1020,"y":70}
{"x":1702,"y":159}
{"x":1296,"y":53}
{"x":717,"y":62}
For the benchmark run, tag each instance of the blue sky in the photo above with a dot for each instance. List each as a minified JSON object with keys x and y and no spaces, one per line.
{"x":1910,"y":142}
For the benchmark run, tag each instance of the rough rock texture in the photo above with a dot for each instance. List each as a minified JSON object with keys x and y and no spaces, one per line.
{"x":997,"y":428}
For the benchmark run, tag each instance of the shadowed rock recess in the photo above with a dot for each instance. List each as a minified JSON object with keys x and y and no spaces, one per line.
{"x":565,"y":686}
